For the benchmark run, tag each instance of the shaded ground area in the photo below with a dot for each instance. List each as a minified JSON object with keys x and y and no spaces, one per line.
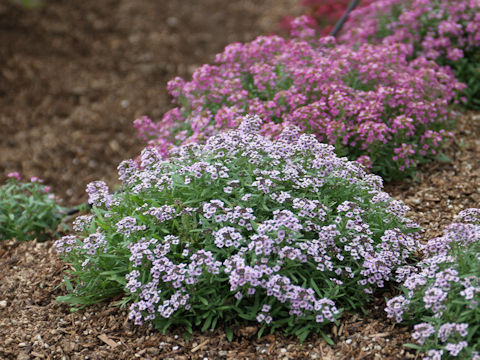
{"x":73,"y":76}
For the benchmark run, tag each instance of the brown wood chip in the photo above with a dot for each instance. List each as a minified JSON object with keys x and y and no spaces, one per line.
{"x":107,"y":340}
{"x":198,"y":347}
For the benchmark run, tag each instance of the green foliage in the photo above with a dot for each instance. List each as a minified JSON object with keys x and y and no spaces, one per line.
{"x":243,"y":229}
{"x":28,"y":4}
{"x":27,"y":211}
{"x":441,"y":293}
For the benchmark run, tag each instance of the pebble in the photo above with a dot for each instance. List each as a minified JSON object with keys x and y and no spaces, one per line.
{"x":172,"y":21}
{"x":3,"y":304}
{"x":348,"y":341}
{"x":23,"y":356}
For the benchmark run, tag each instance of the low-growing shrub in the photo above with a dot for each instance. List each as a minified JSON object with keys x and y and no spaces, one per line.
{"x":447,"y":31}
{"x":28,"y":210}
{"x":28,"y":4}
{"x":369,"y":103}
{"x":282,"y":232}
{"x":442,"y":293}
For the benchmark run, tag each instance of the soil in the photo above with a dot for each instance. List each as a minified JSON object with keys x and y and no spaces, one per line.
{"x":73,"y":77}
{"x":75,"y":74}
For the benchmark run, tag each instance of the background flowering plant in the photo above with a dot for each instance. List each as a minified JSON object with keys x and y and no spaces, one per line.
{"x":368,"y":102}
{"x":447,"y":31}
{"x":28,"y":210}
{"x":280,"y":232}
{"x":443,"y":292}
{"x":323,"y":14}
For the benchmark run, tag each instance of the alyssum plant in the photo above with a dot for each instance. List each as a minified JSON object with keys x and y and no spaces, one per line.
{"x":446,"y":31}
{"x":282,"y":232}
{"x":28,"y":210}
{"x":442,"y":293}
{"x":368,"y":102}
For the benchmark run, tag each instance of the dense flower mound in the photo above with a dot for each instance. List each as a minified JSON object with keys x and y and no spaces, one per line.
{"x":28,"y":209}
{"x":447,"y":31}
{"x":442,"y":293}
{"x":282,"y":232}
{"x":368,"y":102}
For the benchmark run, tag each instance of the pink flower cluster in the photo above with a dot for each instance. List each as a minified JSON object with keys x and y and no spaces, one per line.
{"x":447,"y":31}
{"x":368,"y":102}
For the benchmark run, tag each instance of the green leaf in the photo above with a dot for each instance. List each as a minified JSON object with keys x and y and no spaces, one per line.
{"x":303,"y":334}
{"x":327,"y":339}
{"x":68,"y":284}
{"x":203,"y":300}
{"x":207,"y":323}
{"x":229,"y":333}
{"x":441,"y":157}
{"x":261,"y":331}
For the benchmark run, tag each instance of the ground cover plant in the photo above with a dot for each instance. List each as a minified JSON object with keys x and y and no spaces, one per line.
{"x":447,"y":31}
{"x":442,"y":293}
{"x":28,"y":210}
{"x":283,"y":232}
{"x":368,"y":102}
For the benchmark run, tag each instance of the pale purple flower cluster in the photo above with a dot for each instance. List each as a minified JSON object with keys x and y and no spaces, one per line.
{"x":65,"y":244}
{"x":227,"y":236}
{"x":443,"y":286}
{"x":162,"y":213}
{"x":153,"y":254}
{"x":422,"y":332}
{"x":82,"y":222}
{"x":293,"y":209}
{"x":396,"y":307}
{"x":219,"y":214}
{"x":253,"y":245}
{"x":98,"y":194}
{"x":469,"y":216}
{"x":264,"y":315}
{"x":128,"y":225}
{"x":360,"y":100}
{"x":93,"y":242}
{"x":89,"y":246}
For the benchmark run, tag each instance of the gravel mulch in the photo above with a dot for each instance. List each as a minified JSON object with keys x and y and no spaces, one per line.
{"x":33,"y":325}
